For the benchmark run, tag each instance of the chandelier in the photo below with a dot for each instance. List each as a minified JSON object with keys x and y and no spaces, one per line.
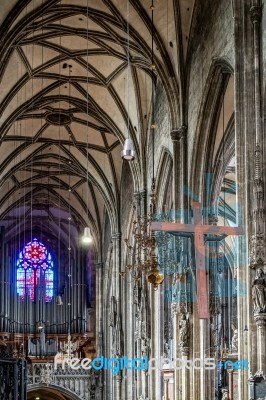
{"x":143,"y":253}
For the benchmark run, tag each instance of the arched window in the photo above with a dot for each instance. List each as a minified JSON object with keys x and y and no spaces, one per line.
{"x":35,"y":272}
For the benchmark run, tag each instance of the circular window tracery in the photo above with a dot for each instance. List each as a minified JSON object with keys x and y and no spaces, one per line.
{"x":35,"y":274}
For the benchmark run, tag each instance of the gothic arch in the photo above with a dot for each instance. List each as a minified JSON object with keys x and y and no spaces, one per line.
{"x":56,"y":392}
{"x":210,"y":110}
{"x":225,"y":153}
{"x":165,"y":170}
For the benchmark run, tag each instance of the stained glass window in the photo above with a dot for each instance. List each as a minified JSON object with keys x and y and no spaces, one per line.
{"x":35,"y":272}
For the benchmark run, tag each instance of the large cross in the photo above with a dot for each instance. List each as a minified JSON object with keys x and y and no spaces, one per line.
{"x":199,"y":230}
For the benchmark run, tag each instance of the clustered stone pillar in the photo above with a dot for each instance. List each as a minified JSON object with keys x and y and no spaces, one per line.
{"x":179,"y":311}
{"x":117,"y":346}
{"x":257,"y":251}
{"x":178,"y":137}
{"x":261,"y":329}
{"x":99,"y":309}
{"x":176,"y":168}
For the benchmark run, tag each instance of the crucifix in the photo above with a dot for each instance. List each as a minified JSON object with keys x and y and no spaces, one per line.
{"x":199,"y":230}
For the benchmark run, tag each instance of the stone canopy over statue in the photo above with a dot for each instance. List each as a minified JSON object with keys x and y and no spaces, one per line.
{"x":259,"y":292}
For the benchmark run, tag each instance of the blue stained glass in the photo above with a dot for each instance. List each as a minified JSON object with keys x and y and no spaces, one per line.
{"x":31,"y":260}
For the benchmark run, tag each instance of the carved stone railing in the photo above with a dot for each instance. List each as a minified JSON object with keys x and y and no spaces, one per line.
{"x":86,"y":384}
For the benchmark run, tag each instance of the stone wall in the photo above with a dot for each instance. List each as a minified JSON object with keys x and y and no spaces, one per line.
{"x":162,"y":132}
{"x":127,"y":194}
{"x":212,"y":36}
{"x":106,"y":236}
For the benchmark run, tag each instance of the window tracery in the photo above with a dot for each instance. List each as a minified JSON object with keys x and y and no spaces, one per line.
{"x":35,"y":269}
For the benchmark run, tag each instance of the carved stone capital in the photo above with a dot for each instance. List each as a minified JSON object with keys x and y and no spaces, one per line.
{"x":225,"y":392}
{"x":143,"y":193}
{"x":179,"y":133}
{"x":257,"y":251}
{"x":255,"y":14}
{"x":142,"y":397}
{"x":99,"y":265}
{"x":184,"y":350}
{"x":212,"y":219}
{"x":137,"y":196}
{"x":260,"y":320}
{"x":179,"y":308}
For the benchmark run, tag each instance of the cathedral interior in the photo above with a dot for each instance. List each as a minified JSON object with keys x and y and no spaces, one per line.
{"x":132,"y":200}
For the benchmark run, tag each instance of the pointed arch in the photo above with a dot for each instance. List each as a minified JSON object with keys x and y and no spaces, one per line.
{"x":164,"y":176}
{"x":210,"y":110}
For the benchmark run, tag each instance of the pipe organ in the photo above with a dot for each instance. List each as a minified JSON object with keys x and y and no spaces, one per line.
{"x":19,"y":318}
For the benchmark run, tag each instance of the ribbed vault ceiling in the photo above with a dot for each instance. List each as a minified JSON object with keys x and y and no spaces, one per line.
{"x":67,"y":97}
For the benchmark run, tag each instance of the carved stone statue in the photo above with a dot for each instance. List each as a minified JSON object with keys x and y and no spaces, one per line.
{"x":138,"y":327}
{"x":142,"y":397}
{"x":259,"y":292}
{"x":112,"y":316}
{"x":166,"y":352}
{"x":184,"y":331}
{"x":136,"y":294}
{"x":117,"y":339}
{"x":179,"y":308}
{"x":213,"y":336}
{"x":225,"y":394}
{"x":234,"y":343}
{"x":145,"y":347}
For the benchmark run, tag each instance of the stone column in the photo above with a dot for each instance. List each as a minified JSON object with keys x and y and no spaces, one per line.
{"x":257,"y":250}
{"x":99,"y":308}
{"x":179,"y":167}
{"x":183,"y":375}
{"x":214,"y":309}
{"x":117,"y":349}
{"x":245,"y":145}
{"x":178,"y":137}
{"x":257,"y":253}
{"x":166,"y":389}
{"x":261,"y":330}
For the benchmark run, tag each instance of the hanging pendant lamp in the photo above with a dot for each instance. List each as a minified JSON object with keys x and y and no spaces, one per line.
{"x":40,"y":326}
{"x":59,"y":301}
{"x":128,"y":152}
{"x":87,"y":237}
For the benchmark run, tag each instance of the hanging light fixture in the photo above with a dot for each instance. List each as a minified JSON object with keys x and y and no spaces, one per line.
{"x":128,"y":153}
{"x":40,"y":326}
{"x":59,"y":301}
{"x":87,"y":237}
